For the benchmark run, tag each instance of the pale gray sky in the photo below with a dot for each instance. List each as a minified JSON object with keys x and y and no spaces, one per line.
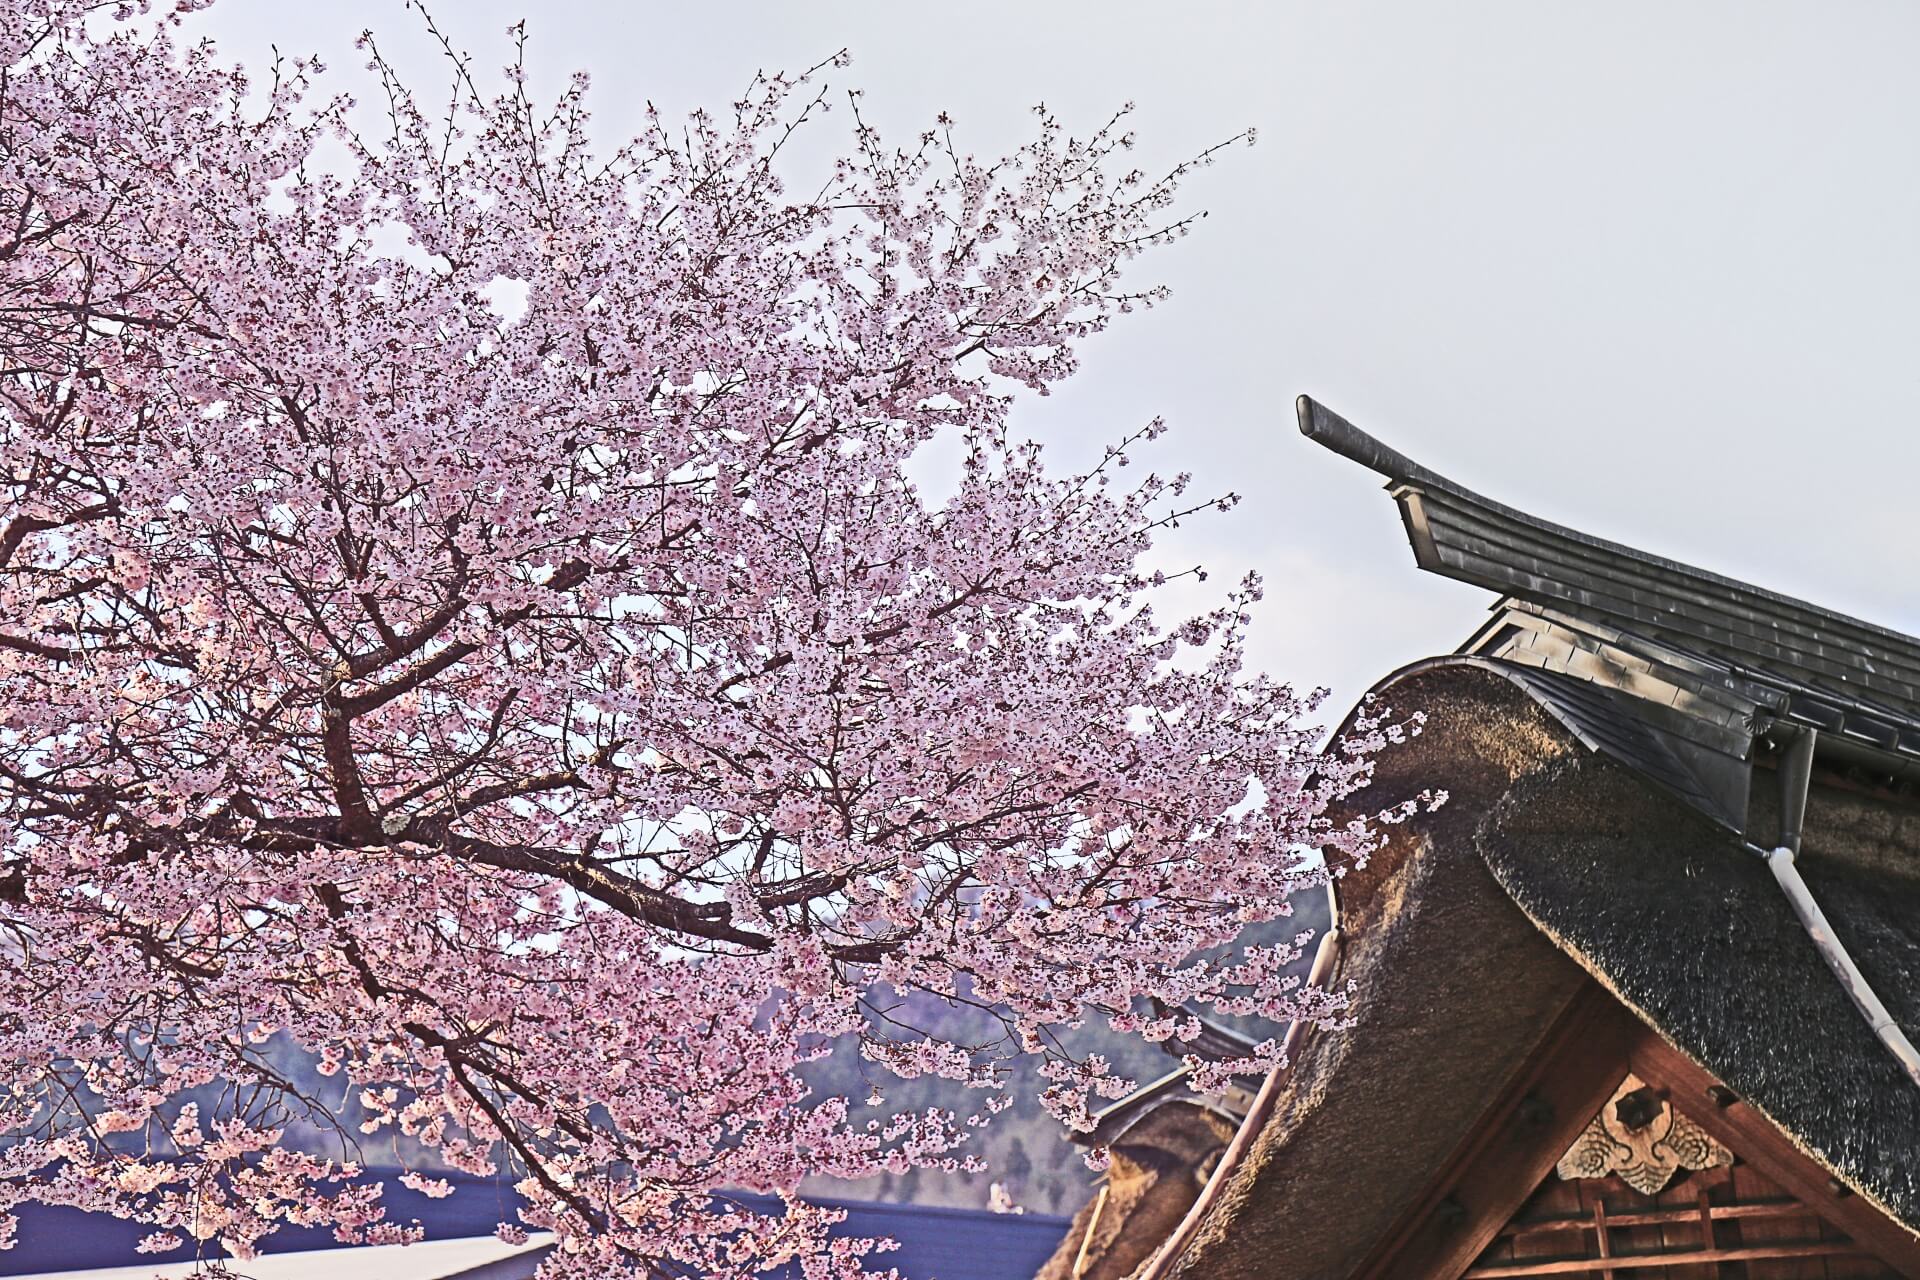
{"x":1652,"y":270}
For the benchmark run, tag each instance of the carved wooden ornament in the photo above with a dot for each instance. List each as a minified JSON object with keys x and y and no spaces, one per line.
{"x":1639,"y":1136}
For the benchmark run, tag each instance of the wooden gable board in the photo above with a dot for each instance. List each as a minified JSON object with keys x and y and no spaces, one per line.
{"x":1511,"y":1153}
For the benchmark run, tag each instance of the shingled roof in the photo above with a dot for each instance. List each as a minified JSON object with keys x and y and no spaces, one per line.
{"x":1704,"y":668}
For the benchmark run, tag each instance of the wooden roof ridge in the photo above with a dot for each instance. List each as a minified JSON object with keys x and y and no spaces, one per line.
{"x":1458,"y":533}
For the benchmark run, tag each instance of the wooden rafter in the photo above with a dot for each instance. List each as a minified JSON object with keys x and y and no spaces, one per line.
{"x":1607,"y":1266}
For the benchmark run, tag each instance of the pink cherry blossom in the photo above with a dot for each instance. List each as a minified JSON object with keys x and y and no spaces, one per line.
{"x":564,"y":720}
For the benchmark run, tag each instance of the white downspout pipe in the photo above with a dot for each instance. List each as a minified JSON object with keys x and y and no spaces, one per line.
{"x":1781,"y":862}
{"x":1796,"y":776}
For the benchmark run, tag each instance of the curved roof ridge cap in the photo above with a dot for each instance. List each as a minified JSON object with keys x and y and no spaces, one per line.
{"x":1522,"y":678}
{"x":1331,"y":431}
{"x":1359,"y":886}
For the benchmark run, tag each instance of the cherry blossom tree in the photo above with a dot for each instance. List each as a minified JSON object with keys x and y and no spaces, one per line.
{"x":465,"y":615}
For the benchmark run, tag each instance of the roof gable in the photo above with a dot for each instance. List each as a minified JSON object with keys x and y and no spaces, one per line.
{"x":1634,"y":1206}
{"x":1467,"y":936}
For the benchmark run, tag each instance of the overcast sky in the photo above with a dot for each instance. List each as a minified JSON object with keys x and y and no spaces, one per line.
{"x":1651,"y":270}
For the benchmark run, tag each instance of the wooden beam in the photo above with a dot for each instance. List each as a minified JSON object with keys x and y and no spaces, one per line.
{"x":1513,"y":1145}
{"x":1634,"y":1262}
{"x":1602,"y":1244}
{"x":1093,"y":1221}
{"x":1663,"y":1217}
{"x":1756,"y":1140}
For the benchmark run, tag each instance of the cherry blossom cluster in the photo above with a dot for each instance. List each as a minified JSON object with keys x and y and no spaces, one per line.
{"x":465,"y":616}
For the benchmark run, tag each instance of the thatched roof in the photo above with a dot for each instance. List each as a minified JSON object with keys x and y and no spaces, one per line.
{"x":1610,"y":741}
{"x":1701,"y":942}
{"x":1162,"y":1156}
{"x":1471,"y":933}
{"x":1453,"y":990}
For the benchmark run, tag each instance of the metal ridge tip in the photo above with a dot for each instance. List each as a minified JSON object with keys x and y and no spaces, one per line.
{"x":1331,"y":431}
{"x":1303,"y":407}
